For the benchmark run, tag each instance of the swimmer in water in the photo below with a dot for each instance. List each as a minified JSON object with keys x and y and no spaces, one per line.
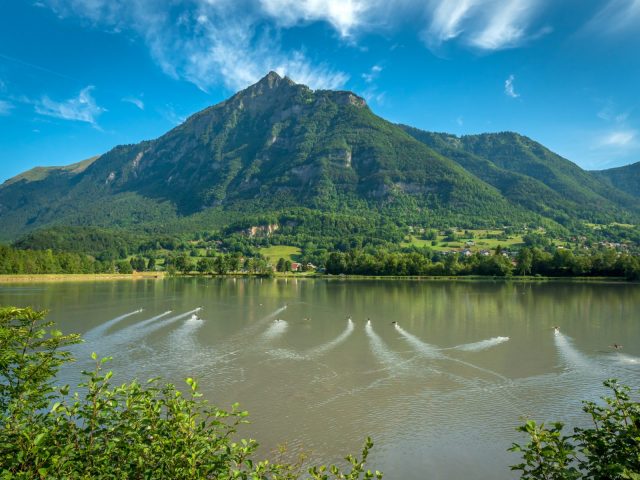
{"x":556,"y":330}
{"x":616,"y":346}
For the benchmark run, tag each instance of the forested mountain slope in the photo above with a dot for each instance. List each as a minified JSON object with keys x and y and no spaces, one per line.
{"x":278,"y":146}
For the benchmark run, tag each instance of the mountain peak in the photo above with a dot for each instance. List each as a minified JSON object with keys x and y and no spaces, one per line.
{"x":273,"y":80}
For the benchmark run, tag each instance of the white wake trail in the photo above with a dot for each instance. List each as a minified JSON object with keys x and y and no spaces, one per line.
{"x":625,"y":359}
{"x":380,"y":349}
{"x":136,"y":332}
{"x":432,"y":352}
{"x":481,"y":345}
{"x":322,"y":349}
{"x":571,"y":357}
{"x":252,"y":329}
{"x":421,"y":347}
{"x":152,"y":319}
{"x":103,"y":327}
{"x":276,"y":329}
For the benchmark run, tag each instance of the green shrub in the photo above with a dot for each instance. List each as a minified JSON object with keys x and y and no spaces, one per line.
{"x":607,"y":451}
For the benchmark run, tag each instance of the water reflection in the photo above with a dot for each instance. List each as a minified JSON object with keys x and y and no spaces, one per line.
{"x":440,"y":390}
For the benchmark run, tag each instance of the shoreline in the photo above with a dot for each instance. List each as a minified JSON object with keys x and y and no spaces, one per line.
{"x":91,"y":277}
{"x":79,"y":277}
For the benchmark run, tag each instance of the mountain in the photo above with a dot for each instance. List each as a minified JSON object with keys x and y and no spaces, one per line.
{"x":625,"y":178}
{"x":532,"y":176}
{"x":278,"y":146}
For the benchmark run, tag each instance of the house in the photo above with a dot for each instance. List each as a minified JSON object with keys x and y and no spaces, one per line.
{"x":296,"y":267}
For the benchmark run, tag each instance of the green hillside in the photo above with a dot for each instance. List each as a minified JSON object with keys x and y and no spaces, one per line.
{"x":533,"y":177}
{"x":319,"y":164}
{"x":625,"y":178}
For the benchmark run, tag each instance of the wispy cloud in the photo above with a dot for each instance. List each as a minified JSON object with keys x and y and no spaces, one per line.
{"x":82,"y":108}
{"x":447,"y":20}
{"x":134,"y":101}
{"x":218,"y":42}
{"x":372,"y":95}
{"x":372,"y":74}
{"x":608,"y":113}
{"x":616,"y":16}
{"x":619,"y":139}
{"x":483,"y":24}
{"x":170,"y":114}
{"x":506,"y":25}
{"x":5,"y":107}
{"x":509,"y":88}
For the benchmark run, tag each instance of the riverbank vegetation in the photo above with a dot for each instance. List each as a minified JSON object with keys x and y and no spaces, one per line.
{"x":259,"y":247}
{"x":610,"y":450}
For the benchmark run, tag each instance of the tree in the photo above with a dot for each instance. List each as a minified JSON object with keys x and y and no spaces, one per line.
{"x":609,"y":450}
{"x":134,"y":430}
{"x":152,"y":264}
{"x":124,"y":267}
{"x":451,"y":264}
{"x":524,"y":261}
{"x":205,"y":265}
{"x":280,"y":265}
{"x":220,"y":265}
{"x":183,"y":264}
{"x":138,"y":263}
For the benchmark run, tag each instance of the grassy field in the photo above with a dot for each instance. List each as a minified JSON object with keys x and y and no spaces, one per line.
{"x":275,"y":252}
{"x":482,"y":240}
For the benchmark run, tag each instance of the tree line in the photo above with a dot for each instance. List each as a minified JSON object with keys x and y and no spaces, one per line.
{"x":528,"y":261}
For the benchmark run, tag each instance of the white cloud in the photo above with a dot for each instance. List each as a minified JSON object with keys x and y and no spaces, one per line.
{"x":447,"y":19}
{"x":616,"y":16}
{"x":82,"y":108}
{"x":372,"y":74}
{"x":343,"y":15}
{"x":506,"y":25}
{"x":5,"y":107}
{"x":134,"y":101}
{"x":509,"y":88}
{"x":482,"y":24}
{"x":618,"y":139}
{"x":211,"y":42}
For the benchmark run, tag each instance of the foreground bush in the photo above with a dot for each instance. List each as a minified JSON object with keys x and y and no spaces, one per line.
{"x":128,"y":431}
{"x":609,"y":450}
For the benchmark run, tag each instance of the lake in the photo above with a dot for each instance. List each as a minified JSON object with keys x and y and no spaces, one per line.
{"x":320,"y":365}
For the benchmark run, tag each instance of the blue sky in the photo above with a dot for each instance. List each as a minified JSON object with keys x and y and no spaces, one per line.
{"x":78,"y":77}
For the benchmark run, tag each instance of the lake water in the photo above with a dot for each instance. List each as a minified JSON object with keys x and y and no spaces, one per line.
{"x":440,"y":392}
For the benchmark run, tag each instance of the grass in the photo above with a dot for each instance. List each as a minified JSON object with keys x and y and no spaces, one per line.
{"x":275,"y":252}
{"x":484,"y":239}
